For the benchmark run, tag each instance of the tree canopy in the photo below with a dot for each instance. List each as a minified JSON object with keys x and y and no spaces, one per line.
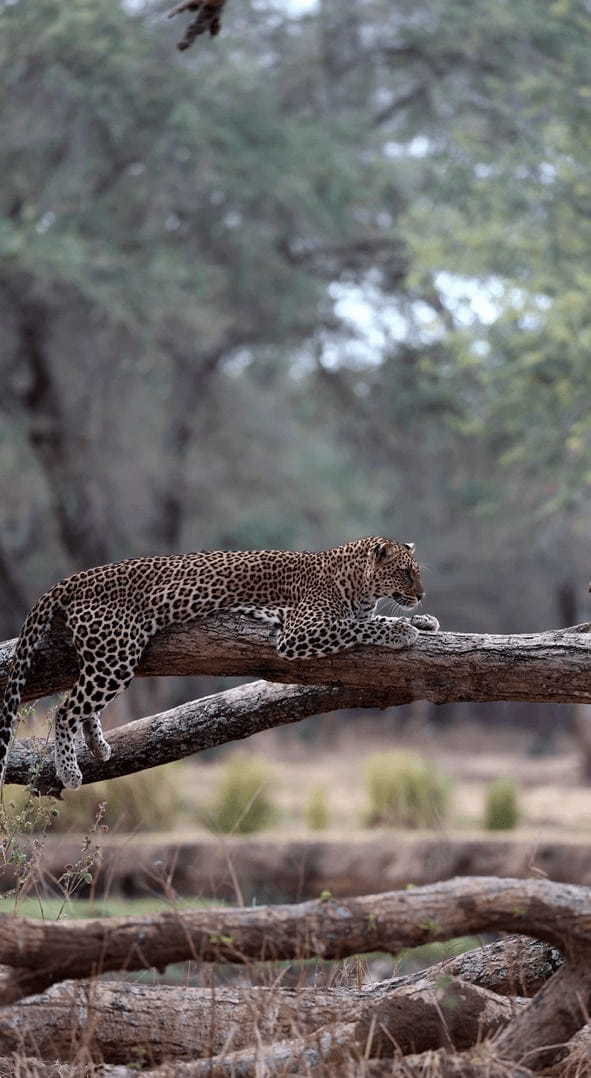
{"x":323,"y":275}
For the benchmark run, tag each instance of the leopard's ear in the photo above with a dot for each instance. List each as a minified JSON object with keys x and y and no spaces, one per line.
{"x":410,"y":546}
{"x":383,"y":551}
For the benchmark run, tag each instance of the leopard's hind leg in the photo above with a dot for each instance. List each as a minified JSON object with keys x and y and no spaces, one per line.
{"x":96,"y":742}
{"x":108,"y":651}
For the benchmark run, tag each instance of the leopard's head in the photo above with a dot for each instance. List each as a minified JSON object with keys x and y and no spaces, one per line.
{"x":393,"y":572}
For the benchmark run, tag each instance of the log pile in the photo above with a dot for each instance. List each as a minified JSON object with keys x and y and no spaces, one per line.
{"x":517,"y":1007}
{"x":520,"y":1003}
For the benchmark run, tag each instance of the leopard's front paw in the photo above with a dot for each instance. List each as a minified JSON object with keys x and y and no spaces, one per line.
{"x":425,"y":622}
{"x":404,"y":634}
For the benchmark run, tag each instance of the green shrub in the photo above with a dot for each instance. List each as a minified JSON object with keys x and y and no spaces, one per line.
{"x":501,"y":811}
{"x":243,"y":804}
{"x":146,"y":801}
{"x":316,"y":812}
{"x":23,"y":812}
{"x":405,"y":791}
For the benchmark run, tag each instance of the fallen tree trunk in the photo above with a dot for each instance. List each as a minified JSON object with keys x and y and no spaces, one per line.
{"x":37,"y":954}
{"x":457,"y":1003}
{"x":275,"y":869}
{"x":119,"y":1020}
{"x":537,"y":1036}
{"x":459,"y":1000}
{"x":41,"y":953}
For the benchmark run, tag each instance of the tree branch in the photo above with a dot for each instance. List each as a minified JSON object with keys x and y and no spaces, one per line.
{"x":182,"y":731}
{"x":552,"y":667}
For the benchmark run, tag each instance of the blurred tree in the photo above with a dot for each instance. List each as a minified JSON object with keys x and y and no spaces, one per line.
{"x":325,"y":276}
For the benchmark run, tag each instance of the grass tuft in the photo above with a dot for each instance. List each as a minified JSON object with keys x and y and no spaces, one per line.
{"x":243,"y":803}
{"x":501,"y":810}
{"x":405,"y":791}
{"x":316,"y":811}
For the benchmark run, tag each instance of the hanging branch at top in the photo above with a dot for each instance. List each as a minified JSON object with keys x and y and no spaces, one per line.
{"x":207,"y":19}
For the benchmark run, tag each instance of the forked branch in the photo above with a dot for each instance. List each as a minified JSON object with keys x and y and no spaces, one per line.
{"x":552,"y":666}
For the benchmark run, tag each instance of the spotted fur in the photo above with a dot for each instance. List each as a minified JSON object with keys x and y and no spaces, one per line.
{"x":318,"y":603}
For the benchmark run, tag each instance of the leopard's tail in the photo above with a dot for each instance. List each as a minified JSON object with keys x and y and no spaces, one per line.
{"x":35,"y":628}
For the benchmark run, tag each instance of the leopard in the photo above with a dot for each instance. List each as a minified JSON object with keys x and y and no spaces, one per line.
{"x":317,"y":603}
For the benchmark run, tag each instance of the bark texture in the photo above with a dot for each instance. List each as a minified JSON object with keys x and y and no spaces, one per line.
{"x":457,"y":1001}
{"x":182,"y":731}
{"x":456,"y":1004}
{"x":122,"y":1021}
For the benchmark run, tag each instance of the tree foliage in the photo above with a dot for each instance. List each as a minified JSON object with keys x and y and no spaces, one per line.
{"x":324,"y":275}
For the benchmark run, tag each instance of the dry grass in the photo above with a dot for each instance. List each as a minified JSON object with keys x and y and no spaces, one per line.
{"x":551,"y":796}
{"x":472,"y":754}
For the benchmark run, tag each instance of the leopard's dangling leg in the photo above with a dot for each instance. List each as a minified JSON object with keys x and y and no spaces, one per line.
{"x":105,"y":671}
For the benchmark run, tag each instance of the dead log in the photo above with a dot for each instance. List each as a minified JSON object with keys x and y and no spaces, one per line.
{"x":537,"y":1037}
{"x":514,"y":966}
{"x":283,"y":1031}
{"x":36,"y":954}
{"x":336,"y":1042}
{"x":276,"y":869}
{"x":456,"y":1001}
{"x":41,"y":953}
{"x":120,"y":1022}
